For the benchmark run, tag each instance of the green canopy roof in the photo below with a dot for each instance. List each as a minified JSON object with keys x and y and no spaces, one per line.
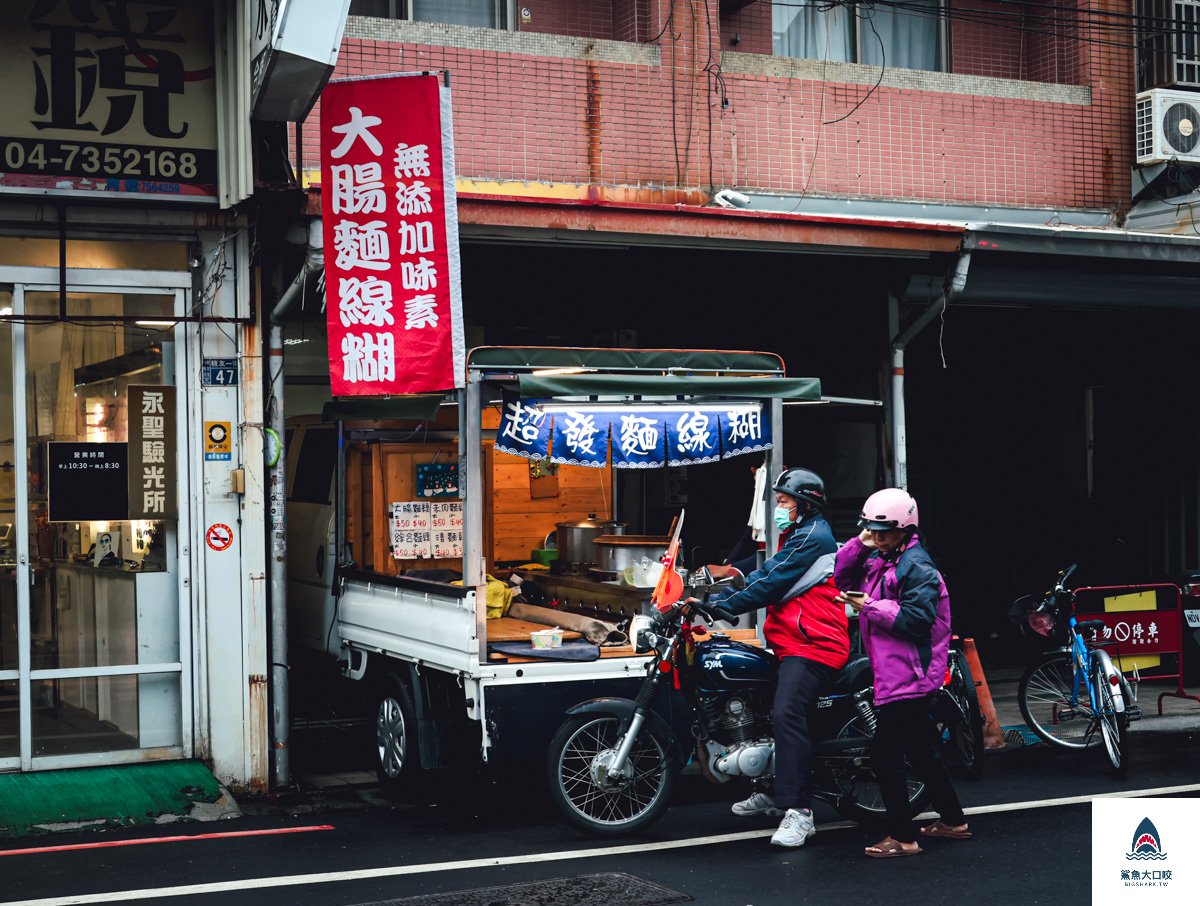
{"x":552,"y":385}
{"x":514,"y":358}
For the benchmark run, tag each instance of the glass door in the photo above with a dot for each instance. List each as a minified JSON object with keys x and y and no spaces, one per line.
{"x":10,"y":649}
{"x":95,"y":672}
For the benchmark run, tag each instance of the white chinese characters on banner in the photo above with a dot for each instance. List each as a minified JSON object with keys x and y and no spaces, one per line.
{"x":639,"y":435}
{"x":694,"y":433}
{"x":410,"y":524}
{"x":392,"y":276}
{"x":446,"y":528}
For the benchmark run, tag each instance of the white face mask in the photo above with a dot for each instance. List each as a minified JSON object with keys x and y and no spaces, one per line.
{"x":783,"y":517}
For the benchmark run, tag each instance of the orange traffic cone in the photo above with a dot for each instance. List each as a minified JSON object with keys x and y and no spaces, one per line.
{"x":993,"y":736}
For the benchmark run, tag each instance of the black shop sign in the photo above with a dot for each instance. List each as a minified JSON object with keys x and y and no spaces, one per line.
{"x":88,"y":482}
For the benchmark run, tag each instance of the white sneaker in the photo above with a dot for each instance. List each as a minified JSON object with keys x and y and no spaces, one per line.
{"x":758,"y":804}
{"x":795,"y":828}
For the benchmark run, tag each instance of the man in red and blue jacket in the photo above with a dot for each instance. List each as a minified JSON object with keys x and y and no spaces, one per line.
{"x":807,"y":629}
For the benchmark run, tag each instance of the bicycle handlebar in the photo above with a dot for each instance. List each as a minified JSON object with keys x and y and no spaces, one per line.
{"x":1066,"y":574}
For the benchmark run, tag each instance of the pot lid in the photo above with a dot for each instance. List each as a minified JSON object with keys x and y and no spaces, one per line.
{"x":590,"y":522}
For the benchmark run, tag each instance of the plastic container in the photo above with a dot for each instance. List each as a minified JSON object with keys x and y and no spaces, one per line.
{"x":543,"y":556}
{"x":547,"y":638}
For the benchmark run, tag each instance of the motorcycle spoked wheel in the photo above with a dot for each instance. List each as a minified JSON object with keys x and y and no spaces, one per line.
{"x":860,"y":799}
{"x":632,"y":807}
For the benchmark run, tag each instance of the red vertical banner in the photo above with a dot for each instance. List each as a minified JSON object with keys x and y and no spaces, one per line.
{"x":392,"y":270}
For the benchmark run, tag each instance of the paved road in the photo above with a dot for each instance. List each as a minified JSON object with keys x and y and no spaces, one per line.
{"x":376,"y":850}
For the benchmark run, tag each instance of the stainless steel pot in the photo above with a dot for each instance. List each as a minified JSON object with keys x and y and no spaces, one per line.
{"x":615,"y":552}
{"x":575,"y":538}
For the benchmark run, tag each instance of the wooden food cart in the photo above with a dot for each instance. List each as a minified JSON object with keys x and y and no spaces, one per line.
{"x":441,"y":693}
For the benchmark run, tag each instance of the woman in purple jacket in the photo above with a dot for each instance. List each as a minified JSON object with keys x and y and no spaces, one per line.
{"x":904,"y":620}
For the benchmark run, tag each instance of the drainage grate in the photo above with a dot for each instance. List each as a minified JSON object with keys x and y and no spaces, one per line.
{"x":608,"y":889}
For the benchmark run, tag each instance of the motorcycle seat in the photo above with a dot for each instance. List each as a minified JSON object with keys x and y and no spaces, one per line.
{"x":855,"y":675}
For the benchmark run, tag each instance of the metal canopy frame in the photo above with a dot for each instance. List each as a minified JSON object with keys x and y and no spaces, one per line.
{"x":491,"y":368}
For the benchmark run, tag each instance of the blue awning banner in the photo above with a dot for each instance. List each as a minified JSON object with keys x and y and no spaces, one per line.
{"x":640,"y":436}
{"x":693,"y":437}
{"x":581,"y":438}
{"x":639,"y":440}
{"x":744,"y":430}
{"x":524,"y":429}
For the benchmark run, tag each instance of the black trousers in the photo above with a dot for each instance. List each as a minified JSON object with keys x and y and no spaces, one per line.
{"x":800,"y":682}
{"x":905,"y":728}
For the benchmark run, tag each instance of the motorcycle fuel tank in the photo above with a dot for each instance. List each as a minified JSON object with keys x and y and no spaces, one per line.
{"x":723,"y":665}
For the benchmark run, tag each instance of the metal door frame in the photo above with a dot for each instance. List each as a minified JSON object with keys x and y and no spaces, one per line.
{"x":178,"y":284}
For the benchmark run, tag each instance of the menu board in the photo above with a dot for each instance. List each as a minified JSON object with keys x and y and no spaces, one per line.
{"x":446,"y":527}
{"x":410,"y":530}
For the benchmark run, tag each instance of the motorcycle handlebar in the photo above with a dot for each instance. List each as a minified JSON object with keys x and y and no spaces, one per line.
{"x":721,"y":614}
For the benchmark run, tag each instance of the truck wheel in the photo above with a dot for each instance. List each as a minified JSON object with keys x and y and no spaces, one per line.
{"x":397,"y":753}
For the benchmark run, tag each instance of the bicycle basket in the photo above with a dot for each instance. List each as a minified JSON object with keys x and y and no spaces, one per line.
{"x":1035,"y":615}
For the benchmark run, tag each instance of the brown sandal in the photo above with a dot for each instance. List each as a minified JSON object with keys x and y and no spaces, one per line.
{"x":938,"y":829}
{"x":890,"y":849}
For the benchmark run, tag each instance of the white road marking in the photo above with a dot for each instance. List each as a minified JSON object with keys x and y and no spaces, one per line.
{"x":366,"y":874}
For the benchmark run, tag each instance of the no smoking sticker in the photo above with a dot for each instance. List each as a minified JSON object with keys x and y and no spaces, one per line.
{"x":219,"y":536}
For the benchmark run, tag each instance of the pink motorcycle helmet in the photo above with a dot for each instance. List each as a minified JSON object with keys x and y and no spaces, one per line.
{"x":888,"y":509}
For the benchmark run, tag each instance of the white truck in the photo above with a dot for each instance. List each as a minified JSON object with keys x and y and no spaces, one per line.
{"x":440,"y":695}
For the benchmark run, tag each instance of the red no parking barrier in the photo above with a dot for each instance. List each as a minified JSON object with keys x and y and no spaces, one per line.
{"x":1145,"y":622}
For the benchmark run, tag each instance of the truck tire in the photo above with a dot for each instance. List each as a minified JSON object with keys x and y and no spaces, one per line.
{"x":397,"y":751}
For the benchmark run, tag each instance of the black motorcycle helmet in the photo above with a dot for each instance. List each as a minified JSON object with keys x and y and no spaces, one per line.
{"x":804,"y":485}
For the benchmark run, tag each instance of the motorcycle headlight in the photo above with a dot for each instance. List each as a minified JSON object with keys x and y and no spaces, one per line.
{"x":641,"y":634}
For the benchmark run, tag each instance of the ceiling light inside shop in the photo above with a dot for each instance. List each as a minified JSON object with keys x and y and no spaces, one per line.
{"x":5,"y":311}
{"x":154,"y":323}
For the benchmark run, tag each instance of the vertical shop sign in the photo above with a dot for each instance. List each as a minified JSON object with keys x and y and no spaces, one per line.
{"x":108,"y":97}
{"x":394,"y":306}
{"x":152,"y":470}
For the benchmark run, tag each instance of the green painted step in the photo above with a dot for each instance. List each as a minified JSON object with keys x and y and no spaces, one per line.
{"x":121,"y":795}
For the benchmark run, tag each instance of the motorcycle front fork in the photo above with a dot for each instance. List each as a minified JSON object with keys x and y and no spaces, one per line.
{"x":645,"y":697}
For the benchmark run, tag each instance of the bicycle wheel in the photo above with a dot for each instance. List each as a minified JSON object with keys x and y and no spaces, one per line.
{"x":966,"y":720}
{"x":1052,"y":707}
{"x":1113,"y":725}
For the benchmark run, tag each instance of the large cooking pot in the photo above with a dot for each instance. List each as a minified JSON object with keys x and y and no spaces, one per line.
{"x":575,"y":538}
{"x":615,"y":552}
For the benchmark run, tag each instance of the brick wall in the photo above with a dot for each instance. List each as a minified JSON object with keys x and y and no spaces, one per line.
{"x":548,"y":108}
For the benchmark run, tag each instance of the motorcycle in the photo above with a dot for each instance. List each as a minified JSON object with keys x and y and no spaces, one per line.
{"x":612,"y":763}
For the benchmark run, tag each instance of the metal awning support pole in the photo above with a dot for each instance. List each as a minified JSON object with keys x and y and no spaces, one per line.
{"x":774,"y":464}
{"x":955,"y":284}
{"x":314,"y":263}
{"x":470,"y":472}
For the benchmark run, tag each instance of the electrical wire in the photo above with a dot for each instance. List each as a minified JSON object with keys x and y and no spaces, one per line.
{"x":882,"y":70}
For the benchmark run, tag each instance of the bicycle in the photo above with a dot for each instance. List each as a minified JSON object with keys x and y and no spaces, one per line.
{"x":1074,"y":697}
{"x":956,"y":712}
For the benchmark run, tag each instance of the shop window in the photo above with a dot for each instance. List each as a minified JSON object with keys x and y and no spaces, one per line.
{"x":37,"y":252}
{"x":315,"y":466}
{"x":481,"y":13}
{"x":908,"y":38}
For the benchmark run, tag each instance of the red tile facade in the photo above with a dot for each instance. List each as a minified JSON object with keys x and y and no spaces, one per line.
{"x":654,"y":116}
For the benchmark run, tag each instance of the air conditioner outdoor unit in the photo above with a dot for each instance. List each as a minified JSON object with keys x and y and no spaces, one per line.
{"x":1168,"y":43}
{"x":1168,"y":126}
